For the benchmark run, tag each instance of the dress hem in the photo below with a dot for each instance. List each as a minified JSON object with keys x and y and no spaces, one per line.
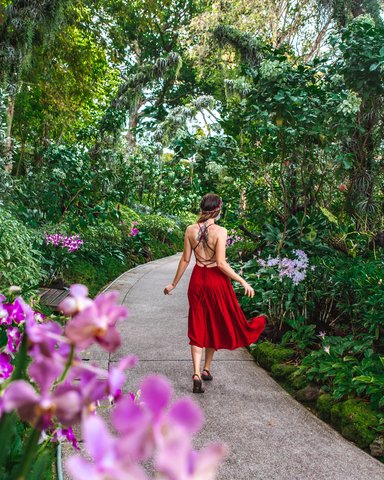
{"x":242,"y":345}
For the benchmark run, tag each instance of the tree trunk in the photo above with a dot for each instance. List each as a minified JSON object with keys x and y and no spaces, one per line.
{"x":8,"y":141}
{"x":131,"y":134}
{"x":362,"y":146}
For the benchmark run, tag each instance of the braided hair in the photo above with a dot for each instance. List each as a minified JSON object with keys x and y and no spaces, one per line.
{"x":210,"y":207}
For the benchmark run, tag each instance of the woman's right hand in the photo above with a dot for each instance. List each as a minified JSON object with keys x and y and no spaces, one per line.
{"x":248,"y":290}
{"x":168,"y":289}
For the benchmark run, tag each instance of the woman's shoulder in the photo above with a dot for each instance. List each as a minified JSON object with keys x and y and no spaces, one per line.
{"x":218,"y":229}
{"x":193,"y":226}
{"x":221,"y":231}
{"x":191,"y":229}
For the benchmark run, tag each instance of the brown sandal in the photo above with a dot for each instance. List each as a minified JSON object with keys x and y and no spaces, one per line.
{"x":207,"y":376}
{"x":197,"y":385}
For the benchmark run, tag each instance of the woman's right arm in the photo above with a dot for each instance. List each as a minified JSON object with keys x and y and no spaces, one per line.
{"x":225,"y":267}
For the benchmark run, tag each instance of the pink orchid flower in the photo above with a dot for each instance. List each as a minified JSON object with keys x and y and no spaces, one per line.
{"x":107,"y":463}
{"x":64,"y":403}
{"x":97,"y":323}
{"x":178,"y":461}
{"x":117,"y":376}
{"x":77,"y":301}
{"x":6,"y":367}
{"x":13,"y":339}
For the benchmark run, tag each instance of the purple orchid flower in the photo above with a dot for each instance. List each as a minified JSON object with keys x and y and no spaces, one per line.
{"x":153,"y":427}
{"x":64,"y":403}
{"x":6,"y":367}
{"x":178,"y":461}
{"x":65,"y":434}
{"x":13,"y":339}
{"x":77,"y":301}
{"x":149,"y":425}
{"x":17,"y":312}
{"x":97,"y":323}
{"x":117,"y":377}
{"x":47,"y":339}
{"x":107,"y":463}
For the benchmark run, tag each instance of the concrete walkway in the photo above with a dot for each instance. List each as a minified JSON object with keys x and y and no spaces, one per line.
{"x":270,"y":435}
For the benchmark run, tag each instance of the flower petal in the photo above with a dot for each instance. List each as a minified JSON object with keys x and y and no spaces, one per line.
{"x":127,"y":416}
{"x":22,"y":397}
{"x":78,"y":290}
{"x":128,"y":362}
{"x":98,"y":439}
{"x":186,"y":414}
{"x":68,"y":404}
{"x":80,"y":469}
{"x":208,"y":460}
{"x":156,"y":392}
{"x":110,"y":341}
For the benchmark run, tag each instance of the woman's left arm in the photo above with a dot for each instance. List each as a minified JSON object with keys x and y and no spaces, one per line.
{"x":183,"y":264}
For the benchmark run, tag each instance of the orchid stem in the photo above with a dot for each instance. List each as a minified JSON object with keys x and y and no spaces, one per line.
{"x":29,"y":455}
{"x":21,"y":360}
{"x":68,"y":365}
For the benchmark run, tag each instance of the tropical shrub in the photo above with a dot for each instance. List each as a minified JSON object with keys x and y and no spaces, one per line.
{"x":20,"y":257}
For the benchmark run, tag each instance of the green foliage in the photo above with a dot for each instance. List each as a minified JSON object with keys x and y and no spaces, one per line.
{"x":242,"y":250}
{"x":16,"y":434}
{"x":109,"y":249}
{"x":132,"y":113}
{"x":350,"y":367}
{"x":353,"y":288}
{"x":301,"y":336}
{"x":362,"y":55}
{"x":20,"y":258}
{"x":96,"y":276}
{"x":158,"y":227}
{"x":283,"y":301}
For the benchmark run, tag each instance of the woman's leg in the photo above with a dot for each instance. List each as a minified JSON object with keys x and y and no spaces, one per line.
{"x":208,"y":358}
{"x":197,"y":353}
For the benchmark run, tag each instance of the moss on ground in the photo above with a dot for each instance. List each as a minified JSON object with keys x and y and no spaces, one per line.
{"x":355,"y":420}
{"x":268,"y":354}
{"x":298,"y":380}
{"x":324,"y":405}
{"x":282,"y":371}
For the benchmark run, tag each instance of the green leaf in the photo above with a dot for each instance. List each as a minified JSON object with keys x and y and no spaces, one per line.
{"x":329,"y":215}
{"x":364,"y":379}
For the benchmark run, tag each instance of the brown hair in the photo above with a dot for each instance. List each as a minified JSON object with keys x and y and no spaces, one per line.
{"x":210,"y":206}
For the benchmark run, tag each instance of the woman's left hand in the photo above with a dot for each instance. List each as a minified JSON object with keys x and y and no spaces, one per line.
{"x":168,"y":289}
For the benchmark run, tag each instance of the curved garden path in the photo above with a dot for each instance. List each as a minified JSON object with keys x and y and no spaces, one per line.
{"x":270,"y":435}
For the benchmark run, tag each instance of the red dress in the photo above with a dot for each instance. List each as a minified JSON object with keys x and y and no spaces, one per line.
{"x":215,"y":318}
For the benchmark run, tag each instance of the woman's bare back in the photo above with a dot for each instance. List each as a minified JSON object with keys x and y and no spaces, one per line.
{"x":203,"y":240}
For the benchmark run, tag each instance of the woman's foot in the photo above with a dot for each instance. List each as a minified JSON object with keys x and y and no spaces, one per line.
{"x":206,"y":375}
{"x":197,"y":384}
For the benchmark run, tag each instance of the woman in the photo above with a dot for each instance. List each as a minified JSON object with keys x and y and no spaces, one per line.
{"x":215,"y":319}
